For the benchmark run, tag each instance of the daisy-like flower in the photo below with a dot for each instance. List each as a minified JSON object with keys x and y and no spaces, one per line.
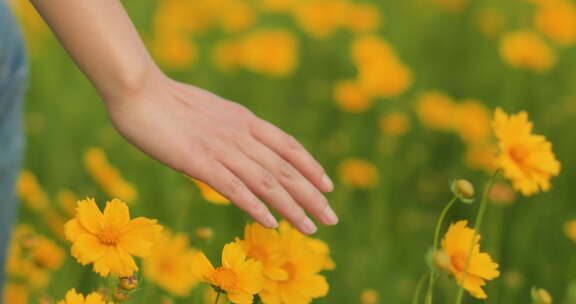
{"x":264,"y":245}
{"x":525,"y":158}
{"x":72,"y":297}
{"x":169,"y":264}
{"x":456,"y":247}
{"x":109,"y":239}
{"x":239,"y":277}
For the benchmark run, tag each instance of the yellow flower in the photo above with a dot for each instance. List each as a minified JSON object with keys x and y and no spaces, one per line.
{"x":47,"y":254}
{"x":472,"y":121}
{"x":225,"y":55}
{"x":436,"y":110}
{"x":380,"y":71}
{"x":239,"y":277}
{"x":369,"y":296}
{"x":394,"y":124}
{"x":109,"y":239}
{"x":174,"y":50}
{"x":236,"y":16}
{"x":263,"y":244}
{"x":570,"y":230}
{"x":490,"y":22}
{"x":363,"y":18}
{"x":525,"y":158}
{"x":210,"y":297}
{"x":456,"y":244}
{"x":557,"y":20}
{"x":108,"y":177}
{"x":169,"y":264}
{"x":270,"y":52}
{"x":302,"y":263}
{"x":358,"y":173}
{"x":321,"y":18}
{"x":350,"y":98}
{"x":210,"y":194}
{"x":31,"y":192}
{"x":34,"y":27}
{"x":15,"y":294}
{"x":526,"y":50}
{"x":72,"y":297}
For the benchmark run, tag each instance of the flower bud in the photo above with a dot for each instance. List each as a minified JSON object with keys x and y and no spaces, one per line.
{"x":541,"y":296}
{"x":463,"y":189}
{"x":204,"y":233}
{"x":441,"y":260}
{"x":369,"y":296}
{"x":120,"y":295}
{"x":129,"y":283}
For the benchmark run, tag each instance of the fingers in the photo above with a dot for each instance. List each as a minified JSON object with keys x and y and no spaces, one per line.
{"x":227,"y":184}
{"x":299,"y":188}
{"x":264,"y":184}
{"x":293,"y":152}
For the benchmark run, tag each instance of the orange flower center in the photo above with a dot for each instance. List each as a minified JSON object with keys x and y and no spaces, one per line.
{"x":290,"y":269}
{"x":258,"y":254}
{"x":224,"y":278}
{"x":518,"y":154}
{"x":459,"y":261}
{"x":109,"y":236}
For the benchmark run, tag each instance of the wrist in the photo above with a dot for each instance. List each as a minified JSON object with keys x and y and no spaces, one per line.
{"x":127,"y":85}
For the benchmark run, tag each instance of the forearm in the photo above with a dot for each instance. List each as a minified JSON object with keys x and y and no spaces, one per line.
{"x":103,"y":42}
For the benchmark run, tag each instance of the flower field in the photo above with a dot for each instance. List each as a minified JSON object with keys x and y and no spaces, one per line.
{"x":447,"y":127}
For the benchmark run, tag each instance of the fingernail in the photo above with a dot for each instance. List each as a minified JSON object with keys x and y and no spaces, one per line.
{"x":308,"y":226}
{"x":271,"y":221}
{"x":330,"y":217}
{"x":328,"y":183}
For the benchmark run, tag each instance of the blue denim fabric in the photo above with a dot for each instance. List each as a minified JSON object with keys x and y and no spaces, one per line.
{"x":13,"y":82}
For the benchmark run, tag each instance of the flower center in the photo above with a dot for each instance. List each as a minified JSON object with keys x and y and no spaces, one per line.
{"x":518,"y":154}
{"x":224,"y":278}
{"x":109,"y":236}
{"x":290,"y":269}
{"x":258,"y":254}
{"x":459,"y":261}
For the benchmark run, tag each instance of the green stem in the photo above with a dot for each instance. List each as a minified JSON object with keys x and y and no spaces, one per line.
{"x":416,"y":297}
{"x":477,"y":225}
{"x":430,"y":292}
{"x":217,"y":297}
{"x":110,"y":288}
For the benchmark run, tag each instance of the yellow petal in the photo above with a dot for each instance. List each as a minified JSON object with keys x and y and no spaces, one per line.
{"x":87,"y":249}
{"x":201,"y":267}
{"x":233,"y":256}
{"x":240,"y":298}
{"x":116,"y":214}
{"x":138,"y":236}
{"x":89,"y":216}
{"x":94,"y":298}
{"x":73,"y":297}
{"x":73,"y":229}
{"x":120,"y":262}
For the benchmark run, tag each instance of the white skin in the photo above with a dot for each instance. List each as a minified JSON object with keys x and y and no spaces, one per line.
{"x":188,"y":129}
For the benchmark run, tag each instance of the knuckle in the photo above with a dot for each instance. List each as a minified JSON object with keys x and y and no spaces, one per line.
{"x":268,"y":181}
{"x":235,"y":187}
{"x":286,"y":170}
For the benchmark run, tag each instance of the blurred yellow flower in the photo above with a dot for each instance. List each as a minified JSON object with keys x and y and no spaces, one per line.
{"x":238,"y":277}
{"x":394,"y":124}
{"x":236,"y":16}
{"x":380,"y":72}
{"x":15,"y":293}
{"x":350,"y":98}
{"x":570,"y":230}
{"x":363,"y":18}
{"x":108,"y":177}
{"x":456,"y":245}
{"x":226,"y":55}
{"x":358,"y":173}
{"x":481,"y":156}
{"x":174,"y":50}
{"x":302,"y":262}
{"x":30,"y":191}
{"x":557,"y":20}
{"x":436,"y":110}
{"x":46,"y":254}
{"x":34,"y":27}
{"x":67,"y":202}
{"x":525,"y":158}
{"x":205,"y":233}
{"x":109,"y":239}
{"x":273,"y":52}
{"x":472,"y":121}
{"x":526,"y":50}
{"x":502,"y":193}
{"x":491,"y":21}
{"x":210,"y":194}
{"x":72,"y":297}
{"x":169,"y":264}
{"x":369,"y":296}
{"x":321,"y":18}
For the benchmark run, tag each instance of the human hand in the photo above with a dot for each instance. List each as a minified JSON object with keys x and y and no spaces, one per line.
{"x":226,"y":146}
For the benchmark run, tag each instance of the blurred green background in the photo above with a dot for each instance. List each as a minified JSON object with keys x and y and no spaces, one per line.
{"x":385,"y":229}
